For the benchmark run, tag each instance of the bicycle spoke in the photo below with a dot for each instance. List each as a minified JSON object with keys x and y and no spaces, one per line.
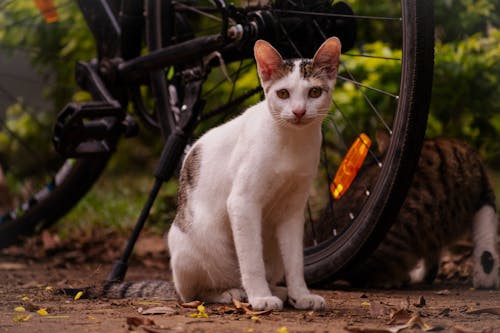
{"x":367,"y":99}
{"x":319,"y":14}
{"x":365,"y":55}
{"x":359,"y":84}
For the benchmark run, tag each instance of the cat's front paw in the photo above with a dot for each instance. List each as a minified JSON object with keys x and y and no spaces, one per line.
{"x":266,"y":303}
{"x":308,"y":301}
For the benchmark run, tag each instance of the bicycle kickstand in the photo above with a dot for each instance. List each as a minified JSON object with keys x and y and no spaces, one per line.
{"x":170,"y":156}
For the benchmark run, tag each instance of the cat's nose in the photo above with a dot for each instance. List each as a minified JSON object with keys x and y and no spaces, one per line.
{"x":299,"y":112}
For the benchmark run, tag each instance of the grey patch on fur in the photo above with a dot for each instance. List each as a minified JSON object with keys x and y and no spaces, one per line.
{"x":487,"y":262}
{"x":141,"y":289}
{"x":306,"y":68}
{"x":310,"y":70}
{"x":187,"y":182}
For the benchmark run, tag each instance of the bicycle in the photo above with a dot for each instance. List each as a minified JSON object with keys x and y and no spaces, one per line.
{"x":175,"y":68}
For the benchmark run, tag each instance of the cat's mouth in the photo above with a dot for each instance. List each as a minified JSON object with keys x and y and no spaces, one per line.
{"x":296,"y":121}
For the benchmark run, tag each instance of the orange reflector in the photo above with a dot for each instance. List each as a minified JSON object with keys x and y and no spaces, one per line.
{"x":350,"y":165}
{"x":48,"y":10}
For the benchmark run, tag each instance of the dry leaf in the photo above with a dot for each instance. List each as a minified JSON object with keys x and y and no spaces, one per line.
{"x":78,"y":295}
{"x":21,"y":318}
{"x":201,"y":312}
{"x":255,"y":319}
{"x":42,"y":312}
{"x":494,"y":310}
{"x":443,"y":292}
{"x":416,"y":321}
{"x":246,"y":308}
{"x":224,"y":309}
{"x":158,"y":310}
{"x":282,"y":329}
{"x":191,"y":305}
{"x":140,"y":321}
{"x":399,"y":317}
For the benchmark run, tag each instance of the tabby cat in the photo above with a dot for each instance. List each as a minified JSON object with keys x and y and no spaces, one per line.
{"x":243,"y":189}
{"x":450,"y":196}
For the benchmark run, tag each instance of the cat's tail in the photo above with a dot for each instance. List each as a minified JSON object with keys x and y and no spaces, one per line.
{"x":488,"y":195}
{"x":158,"y":289}
{"x":140,"y":289}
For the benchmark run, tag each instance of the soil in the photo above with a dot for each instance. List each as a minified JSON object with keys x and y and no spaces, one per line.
{"x":33,"y":274}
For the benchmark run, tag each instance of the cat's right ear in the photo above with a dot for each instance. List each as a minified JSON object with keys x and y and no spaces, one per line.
{"x":268,"y":59}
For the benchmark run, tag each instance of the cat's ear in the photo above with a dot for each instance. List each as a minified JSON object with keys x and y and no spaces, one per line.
{"x":327,"y":56}
{"x":268,"y":59}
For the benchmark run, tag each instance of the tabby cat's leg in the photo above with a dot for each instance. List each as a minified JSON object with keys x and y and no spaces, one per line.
{"x":484,"y":232}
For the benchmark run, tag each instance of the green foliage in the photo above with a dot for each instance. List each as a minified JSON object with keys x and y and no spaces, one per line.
{"x":466,"y":92}
{"x":465,"y":101}
{"x":458,"y":19}
{"x":54,"y":47}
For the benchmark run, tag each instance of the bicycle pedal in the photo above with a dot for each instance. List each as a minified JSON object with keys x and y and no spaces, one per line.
{"x":91,"y":129}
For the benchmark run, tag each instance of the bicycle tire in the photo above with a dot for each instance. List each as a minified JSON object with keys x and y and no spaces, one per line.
{"x":335,"y":259}
{"x":70,"y":183}
{"x":45,"y":207}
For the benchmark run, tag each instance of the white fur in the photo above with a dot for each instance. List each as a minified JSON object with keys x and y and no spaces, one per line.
{"x":417,"y":274}
{"x":247,"y":208}
{"x":484,"y":233}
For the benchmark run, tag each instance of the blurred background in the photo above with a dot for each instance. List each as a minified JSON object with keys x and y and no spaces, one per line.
{"x":37,"y":79}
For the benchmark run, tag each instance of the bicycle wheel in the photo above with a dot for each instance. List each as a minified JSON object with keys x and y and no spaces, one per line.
{"x":384,"y":84}
{"x":39,"y":186}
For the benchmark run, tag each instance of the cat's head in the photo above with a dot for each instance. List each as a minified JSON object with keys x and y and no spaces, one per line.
{"x":298,"y":91}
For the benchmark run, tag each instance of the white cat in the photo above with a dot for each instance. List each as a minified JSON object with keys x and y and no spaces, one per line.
{"x":239,"y":228}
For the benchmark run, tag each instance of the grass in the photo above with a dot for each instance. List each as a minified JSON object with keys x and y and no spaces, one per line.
{"x":116,"y":199}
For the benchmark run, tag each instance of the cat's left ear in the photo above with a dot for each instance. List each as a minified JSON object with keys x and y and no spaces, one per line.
{"x":327,"y":56}
{"x":268,"y":59}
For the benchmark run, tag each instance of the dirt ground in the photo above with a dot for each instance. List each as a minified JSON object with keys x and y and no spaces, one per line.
{"x":32,"y":274}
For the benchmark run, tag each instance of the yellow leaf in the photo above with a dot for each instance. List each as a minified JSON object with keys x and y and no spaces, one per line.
{"x":365,"y":303}
{"x":249,"y":330}
{"x":21,"y":318}
{"x":78,"y":295}
{"x":201,"y":312}
{"x":255,"y":318}
{"x":282,"y":329}
{"x":42,"y":312}
{"x":49,"y":288}
{"x":19,"y":309}
{"x":25,"y":298}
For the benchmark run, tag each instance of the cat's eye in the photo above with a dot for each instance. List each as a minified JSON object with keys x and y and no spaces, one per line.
{"x":315,"y":92}
{"x":283,"y":93}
